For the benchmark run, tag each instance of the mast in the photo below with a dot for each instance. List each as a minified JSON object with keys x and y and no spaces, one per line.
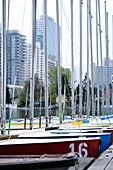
{"x":112,"y":63}
{"x":80,"y":96}
{"x":46,"y":62}
{"x":26,"y":94}
{"x":97,"y":61}
{"x":87,"y":58}
{"x":40,"y":103}
{"x":32,"y":63}
{"x":100,"y":32}
{"x":3,"y":70}
{"x":107,"y":60}
{"x":59,"y":67}
{"x":92,"y":86}
{"x":72,"y":59}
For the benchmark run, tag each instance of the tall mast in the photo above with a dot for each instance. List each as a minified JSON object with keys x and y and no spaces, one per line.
{"x":92,"y":86}
{"x":80,"y":96}
{"x":97,"y":61}
{"x":100,"y":32}
{"x":46,"y":62}
{"x":87,"y":58}
{"x":112,"y":63}
{"x":3,"y":70}
{"x":59,"y":67}
{"x":107,"y":60}
{"x":32,"y":62}
{"x":72,"y":59}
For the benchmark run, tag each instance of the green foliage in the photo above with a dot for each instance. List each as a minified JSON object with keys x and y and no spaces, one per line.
{"x":66,"y":79}
{"x":100,"y":100}
{"x":53,"y":80}
{"x":22,"y":98}
{"x":23,"y":92}
{"x":37,"y":88}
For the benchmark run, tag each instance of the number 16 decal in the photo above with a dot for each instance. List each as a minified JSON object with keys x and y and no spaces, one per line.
{"x":80,"y":148}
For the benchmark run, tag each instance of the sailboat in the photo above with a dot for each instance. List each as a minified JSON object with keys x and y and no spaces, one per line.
{"x":86,"y":147}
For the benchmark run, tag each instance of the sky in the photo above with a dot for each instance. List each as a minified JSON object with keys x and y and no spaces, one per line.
{"x":20,"y":19}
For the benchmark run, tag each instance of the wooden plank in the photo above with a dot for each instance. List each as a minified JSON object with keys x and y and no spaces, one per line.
{"x":83,"y":164}
{"x":102,"y":162}
{"x":110,"y":165}
{"x":8,"y":137}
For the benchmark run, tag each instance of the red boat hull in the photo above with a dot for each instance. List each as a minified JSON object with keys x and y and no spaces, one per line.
{"x":85,"y":148}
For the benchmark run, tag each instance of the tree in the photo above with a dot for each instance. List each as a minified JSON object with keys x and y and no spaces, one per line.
{"x":66,"y":80}
{"x":22,"y":97}
{"x":84,"y":89}
{"x":53,"y":80}
{"x":37,"y":88}
{"x":23,"y":91}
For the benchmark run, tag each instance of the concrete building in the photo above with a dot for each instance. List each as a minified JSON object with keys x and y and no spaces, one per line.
{"x":28,"y":62}
{"x":39,"y":63}
{"x":104,"y":73}
{"x":16,"y":56}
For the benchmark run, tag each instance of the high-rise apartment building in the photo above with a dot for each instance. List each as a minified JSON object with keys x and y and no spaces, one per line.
{"x":39,"y":63}
{"x":104,"y":73}
{"x":51,"y":36}
{"x":28,"y":62}
{"x":16,"y":56}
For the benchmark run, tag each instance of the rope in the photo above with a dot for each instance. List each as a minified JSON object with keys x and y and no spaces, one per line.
{"x":23,"y":17}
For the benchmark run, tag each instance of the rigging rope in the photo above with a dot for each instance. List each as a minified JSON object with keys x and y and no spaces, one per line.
{"x":23,"y":16}
{"x":67,"y":21}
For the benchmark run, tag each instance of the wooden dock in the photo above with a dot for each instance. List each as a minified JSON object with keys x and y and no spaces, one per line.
{"x":83,"y":164}
{"x":105,"y":161}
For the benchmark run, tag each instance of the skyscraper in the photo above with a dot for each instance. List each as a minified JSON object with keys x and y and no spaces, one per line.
{"x":16,"y":55}
{"x":37,"y":59}
{"x":51,"y":37}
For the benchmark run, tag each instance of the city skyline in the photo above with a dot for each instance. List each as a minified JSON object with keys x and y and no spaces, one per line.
{"x":19,"y":63}
{"x":20,"y":18}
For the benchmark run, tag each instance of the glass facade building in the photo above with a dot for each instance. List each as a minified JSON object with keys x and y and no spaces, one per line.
{"x":51,"y":36}
{"x":16,"y":56}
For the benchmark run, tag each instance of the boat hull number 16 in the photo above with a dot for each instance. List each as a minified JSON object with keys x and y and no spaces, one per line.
{"x":81,"y":148}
